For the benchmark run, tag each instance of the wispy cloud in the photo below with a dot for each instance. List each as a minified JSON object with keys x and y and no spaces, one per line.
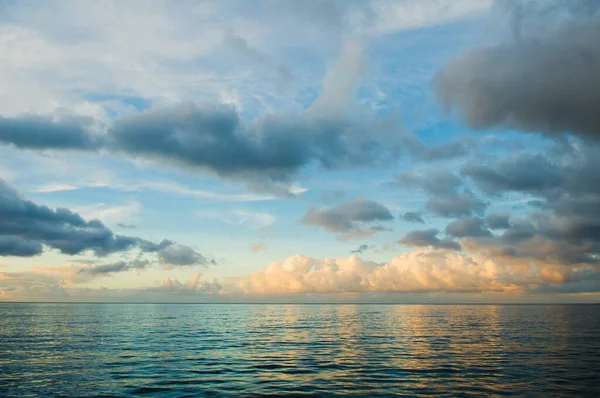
{"x":242,"y":218}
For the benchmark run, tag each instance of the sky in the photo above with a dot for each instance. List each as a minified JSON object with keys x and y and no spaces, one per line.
{"x":409,"y":151}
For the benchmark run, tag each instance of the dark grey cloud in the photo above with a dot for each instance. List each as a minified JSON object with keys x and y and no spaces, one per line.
{"x":428,"y":237}
{"x":360,"y":249}
{"x":46,"y":132}
{"x":266,"y":151}
{"x":546,"y":79}
{"x":456,"y":205}
{"x":116,"y":267}
{"x":180,"y":255}
{"x":518,"y":173}
{"x":447,"y":195}
{"x":498,"y":220}
{"x":18,"y":247}
{"x":468,"y":227}
{"x":348,"y":217}
{"x":570,"y":169}
{"x":60,"y":229}
{"x":26,"y":228}
{"x":412,"y":216}
{"x":561,"y":223}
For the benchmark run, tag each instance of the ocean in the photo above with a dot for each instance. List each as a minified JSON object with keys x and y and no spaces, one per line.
{"x":188,"y":350}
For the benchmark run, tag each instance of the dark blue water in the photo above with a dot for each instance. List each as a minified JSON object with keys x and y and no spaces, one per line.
{"x":250,"y":350}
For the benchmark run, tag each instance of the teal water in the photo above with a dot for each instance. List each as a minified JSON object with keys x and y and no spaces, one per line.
{"x":176,"y":350}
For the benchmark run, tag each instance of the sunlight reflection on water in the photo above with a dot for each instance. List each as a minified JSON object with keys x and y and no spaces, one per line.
{"x":371,"y":350}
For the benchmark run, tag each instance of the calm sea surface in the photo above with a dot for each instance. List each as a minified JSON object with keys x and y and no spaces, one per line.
{"x":252,"y":350}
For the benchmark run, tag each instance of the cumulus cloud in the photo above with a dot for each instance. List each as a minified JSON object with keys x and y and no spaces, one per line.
{"x":349,"y":217}
{"x":546,"y":79}
{"x":48,"y":132}
{"x":498,"y":220}
{"x":467,"y":227}
{"x":564,"y":223}
{"x":27,"y":228}
{"x":413,"y":216}
{"x":195,"y":284}
{"x":428,"y":238}
{"x":63,"y":283}
{"x":265,"y":152}
{"x":422,"y":270}
{"x":172,"y":255}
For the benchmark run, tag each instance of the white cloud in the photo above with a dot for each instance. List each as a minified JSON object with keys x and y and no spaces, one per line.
{"x":421,"y":270}
{"x":56,"y":54}
{"x":107,"y":213}
{"x":195,"y":284}
{"x":397,"y":15}
{"x":159,"y":186}
{"x":242,"y":218}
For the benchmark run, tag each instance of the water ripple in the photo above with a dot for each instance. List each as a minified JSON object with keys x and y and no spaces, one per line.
{"x":298,"y":350}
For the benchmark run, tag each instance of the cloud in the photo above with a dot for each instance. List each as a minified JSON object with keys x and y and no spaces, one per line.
{"x":341,"y":81}
{"x":421,"y":270}
{"x":498,"y":220}
{"x":428,"y":237}
{"x":391,"y":16}
{"x":561,"y":223}
{"x":115,"y":267}
{"x":126,"y":226}
{"x":171,"y":255}
{"x":26,"y":228}
{"x":196,"y":284}
{"x":16,"y":246}
{"x":413,"y":216}
{"x":60,"y":229}
{"x":265,"y":152}
{"x":349,"y":217}
{"x":261,"y":60}
{"x":519,"y":172}
{"x":546,"y":79}
{"x":467,"y":227}
{"x":447,"y":195}
{"x":242,"y":218}
{"x":257,"y":247}
{"x":48,"y":132}
{"x":106,"y":213}
{"x":360,"y":249}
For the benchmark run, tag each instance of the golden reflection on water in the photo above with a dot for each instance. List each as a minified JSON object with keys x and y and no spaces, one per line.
{"x":263,"y":349}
